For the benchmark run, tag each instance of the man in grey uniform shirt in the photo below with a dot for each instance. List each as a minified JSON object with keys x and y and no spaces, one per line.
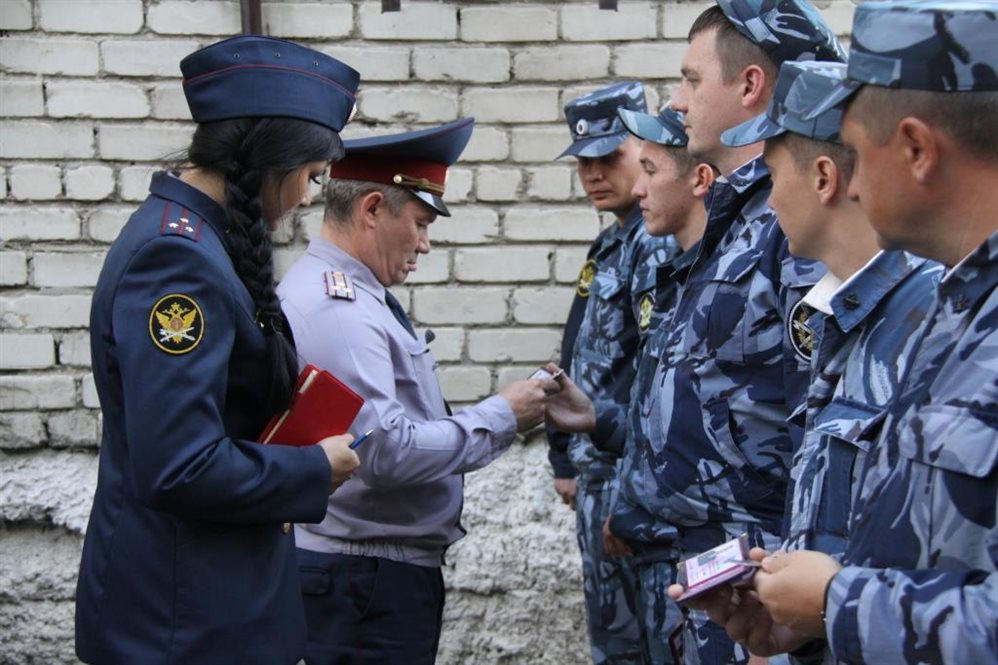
{"x":370,"y":570}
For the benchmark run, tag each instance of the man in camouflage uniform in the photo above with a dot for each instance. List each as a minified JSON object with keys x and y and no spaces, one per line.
{"x":865,"y":329}
{"x":719,"y":446}
{"x":602,"y":338}
{"x":918,"y":581}
{"x":670,"y":192}
{"x":865,"y":314}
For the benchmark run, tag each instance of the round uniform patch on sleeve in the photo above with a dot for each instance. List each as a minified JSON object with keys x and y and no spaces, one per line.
{"x":176,"y":324}
{"x":801,"y":335}
{"x":586,"y":277}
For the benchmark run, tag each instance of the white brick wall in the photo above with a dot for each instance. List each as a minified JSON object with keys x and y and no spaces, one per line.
{"x":17,"y":223}
{"x":27,"y":351}
{"x":408,"y":104}
{"x":73,"y":57}
{"x":145,"y":57}
{"x":562,"y":63}
{"x":482,"y":65}
{"x":509,"y":24}
{"x":13,"y":268}
{"x":35,"y":182}
{"x":91,"y":101}
{"x":66,"y":268}
{"x":75,"y":99}
{"x":120,"y":16}
{"x":21,"y":98}
{"x":92,"y":182}
{"x":375,"y":63}
{"x":46,"y":140}
{"x":16,"y":15}
{"x":420,"y":20}
{"x":185,"y":17}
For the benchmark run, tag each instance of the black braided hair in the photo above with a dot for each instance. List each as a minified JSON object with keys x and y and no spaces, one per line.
{"x":248,"y":151}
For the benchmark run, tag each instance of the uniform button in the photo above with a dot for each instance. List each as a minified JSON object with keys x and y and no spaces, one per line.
{"x":286,"y":528}
{"x":851,"y":301}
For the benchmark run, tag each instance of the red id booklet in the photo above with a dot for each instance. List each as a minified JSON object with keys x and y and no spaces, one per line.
{"x":321,"y":406}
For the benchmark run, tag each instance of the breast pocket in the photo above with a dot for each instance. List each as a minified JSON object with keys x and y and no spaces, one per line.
{"x":609,"y":328}
{"x":953,"y":451}
{"x":847,"y":427}
{"x":423,"y":379}
{"x":743,"y":320}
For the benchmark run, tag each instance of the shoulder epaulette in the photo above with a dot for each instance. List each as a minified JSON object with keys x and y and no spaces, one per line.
{"x":338,"y":285}
{"x":178,"y":221}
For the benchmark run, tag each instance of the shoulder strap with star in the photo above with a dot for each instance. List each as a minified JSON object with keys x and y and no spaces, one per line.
{"x":338,"y":285}
{"x":179,"y":221}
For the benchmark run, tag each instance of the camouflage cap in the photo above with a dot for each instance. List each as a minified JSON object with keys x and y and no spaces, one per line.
{"x":593,"y":121}
{"x":937,"y":45}
{"x":666,"y":128}
{"x":800,"y":87}
{"x":785,"y":29}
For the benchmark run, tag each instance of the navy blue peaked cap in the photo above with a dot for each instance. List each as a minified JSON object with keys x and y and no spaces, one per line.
{"x":416,"y":161}
{"x":593,"y":121}
{"x":251,"y":76}
{"x":666,"y":128}
{"x":785,"y":29}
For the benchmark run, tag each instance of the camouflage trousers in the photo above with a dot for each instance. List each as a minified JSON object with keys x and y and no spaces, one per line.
{"x":660,"y":617}
{"x":610,"y":583}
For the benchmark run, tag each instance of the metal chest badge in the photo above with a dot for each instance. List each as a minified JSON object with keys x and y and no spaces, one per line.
{"x":176,"y":324}
{"x":801,"y":335}
{"x":586,"y":277}
{"x":645,"y":308}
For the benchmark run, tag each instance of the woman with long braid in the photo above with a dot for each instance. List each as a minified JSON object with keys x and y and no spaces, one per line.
{"x":188,"y":556}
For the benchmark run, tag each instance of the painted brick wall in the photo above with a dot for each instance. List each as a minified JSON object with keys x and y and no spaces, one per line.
{"x":90,"y":101}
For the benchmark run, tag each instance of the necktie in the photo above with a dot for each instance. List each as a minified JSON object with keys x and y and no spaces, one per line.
{"x":399,"y":313}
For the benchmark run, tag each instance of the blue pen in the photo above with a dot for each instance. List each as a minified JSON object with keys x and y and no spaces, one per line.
{"x":363,"y":437}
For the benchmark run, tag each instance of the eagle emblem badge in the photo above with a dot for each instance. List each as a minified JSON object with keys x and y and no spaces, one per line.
{"x":645,"y":308}
{"x":802,"y":336}
{"x":586,"y":277}
{"x":176,"y":324}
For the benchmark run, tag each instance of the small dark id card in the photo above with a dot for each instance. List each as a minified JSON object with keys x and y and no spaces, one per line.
{"x":725,"y":564}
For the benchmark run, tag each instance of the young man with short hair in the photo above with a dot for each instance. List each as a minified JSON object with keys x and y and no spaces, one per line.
{"x":600,"y":351}
{"x":730,"y":376}
{"x":865,"y":314}
{"x":918,"y":580}
{"x":670,"y":192}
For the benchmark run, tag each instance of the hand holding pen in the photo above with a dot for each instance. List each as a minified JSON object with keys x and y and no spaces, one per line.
{"x":361,"y":439}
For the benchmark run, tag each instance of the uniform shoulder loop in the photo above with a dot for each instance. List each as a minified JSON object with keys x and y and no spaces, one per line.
{"x":179,"y":221}
{"x":338,"y":285}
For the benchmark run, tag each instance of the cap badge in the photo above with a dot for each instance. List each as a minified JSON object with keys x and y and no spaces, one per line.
{"x":403,"y":180}
{"x":581,"y":127}
{"x":176,"y":324}
{"x":586,"y":277}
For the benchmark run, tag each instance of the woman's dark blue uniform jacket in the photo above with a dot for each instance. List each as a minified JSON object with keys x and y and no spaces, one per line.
{"x":185,"y":558}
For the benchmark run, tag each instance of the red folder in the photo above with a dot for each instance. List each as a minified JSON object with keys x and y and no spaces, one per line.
{"x":321,"y":406}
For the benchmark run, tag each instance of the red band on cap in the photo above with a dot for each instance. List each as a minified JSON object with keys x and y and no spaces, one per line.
{"x":384,"y":168}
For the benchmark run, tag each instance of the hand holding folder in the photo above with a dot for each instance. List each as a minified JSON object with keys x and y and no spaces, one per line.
{"x":322,"y":406}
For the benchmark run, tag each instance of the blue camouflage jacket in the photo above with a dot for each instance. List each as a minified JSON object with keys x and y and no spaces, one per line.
{"x":632,"y":520}
{"x":922,"y":556}
{"x":865,"y":332}
{"x":719,"y":445}
{"x":604,"y":361}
